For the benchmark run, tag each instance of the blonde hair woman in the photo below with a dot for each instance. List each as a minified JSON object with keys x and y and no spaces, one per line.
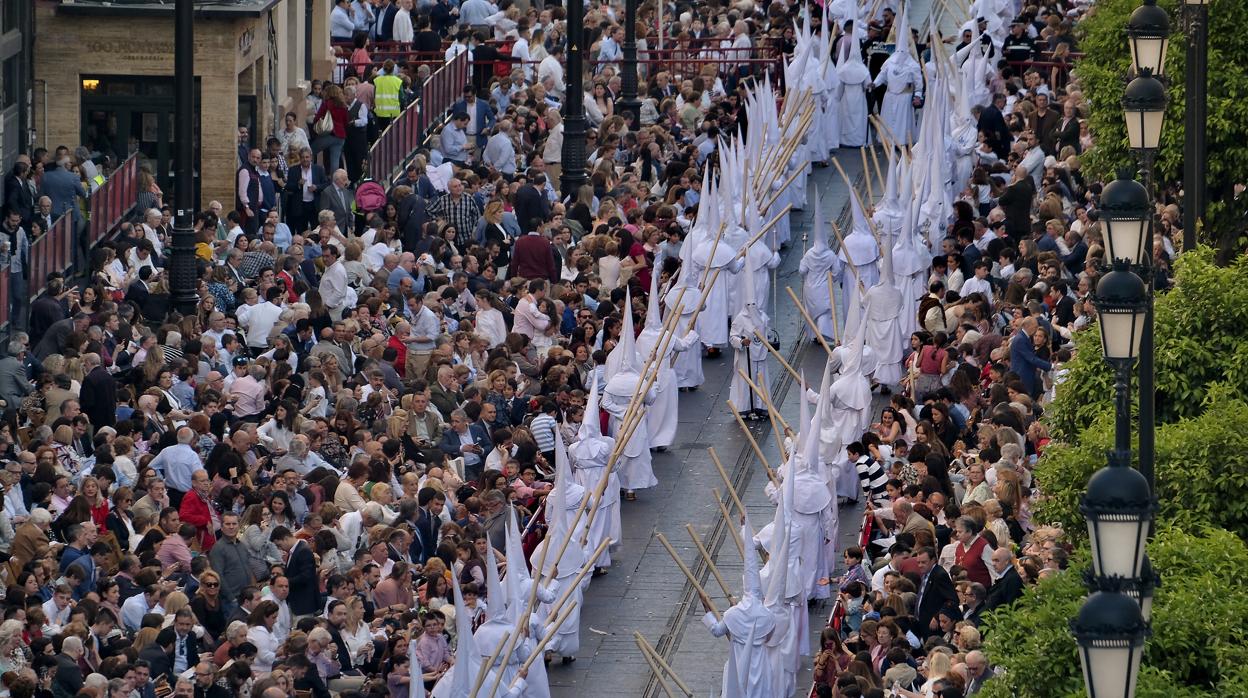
{"x":357,"y":634}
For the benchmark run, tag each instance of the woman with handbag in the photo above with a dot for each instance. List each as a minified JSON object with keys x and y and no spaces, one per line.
{"x":330,"y":125}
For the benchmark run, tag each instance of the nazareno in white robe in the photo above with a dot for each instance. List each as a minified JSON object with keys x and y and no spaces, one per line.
{"x":633,"y":466}
{"x":662,"y":417}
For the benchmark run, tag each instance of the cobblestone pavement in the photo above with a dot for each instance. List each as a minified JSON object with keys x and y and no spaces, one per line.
{"x":644,"y":591}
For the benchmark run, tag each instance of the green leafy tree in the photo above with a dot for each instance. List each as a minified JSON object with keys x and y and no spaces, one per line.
{"x":1201,"y":342}
{"x":1199,"y":646}
{"x":1103,"y":70}
{"x":1201,"y":470}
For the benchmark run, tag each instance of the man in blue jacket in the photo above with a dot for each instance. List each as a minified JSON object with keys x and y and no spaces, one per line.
{"x":480,"y":116}
{"x":1023,"y":358}
{"x":467,"y":440}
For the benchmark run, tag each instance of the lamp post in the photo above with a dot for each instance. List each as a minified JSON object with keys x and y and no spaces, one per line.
{"x":182,"y":264}
{"x":628,"y":76}
{"x":1144,"y":108}
{"x":1120,"y":505}
{"x":1195,"y":112}
{"x":573,"y":155}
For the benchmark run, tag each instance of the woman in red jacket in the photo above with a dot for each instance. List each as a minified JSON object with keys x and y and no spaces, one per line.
{"x":197,"y":510}
{"x":334,"y":104}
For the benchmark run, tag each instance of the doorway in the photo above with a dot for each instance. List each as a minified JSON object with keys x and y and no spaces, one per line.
{"x":124,"y":115}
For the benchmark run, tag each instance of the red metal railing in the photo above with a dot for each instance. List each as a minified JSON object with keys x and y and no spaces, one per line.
{"x":4,"y":295}
{"x":113,"y":200}
{"x":53,"y":251}
{"x":407,"y":131}
{"x":107,"y":206}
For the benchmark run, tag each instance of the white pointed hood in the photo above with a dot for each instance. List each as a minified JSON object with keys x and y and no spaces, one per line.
{"x":810,"y":487}
{"x":467,"y":659}
{"x":888,"y":214}
{"x":860,"y":243}
{"x":561,"y":505}
{"x":623,"y":358}
{"x":851,"y":389}
{"x":592,"y":449}
{"x":749,"y":621}
{"x":803,"y":418}
{"x":708,"y":210}
{"x":850,"y":68}
{"x":781,"y":583}
{"x":752,"y":585}
{"x":517,"y":571}
{"x":820,"y":253}
{"x":654,"y":317}
{"x":496,"y":596}
{"x":902,"y":55}
{"x":750,"y":316}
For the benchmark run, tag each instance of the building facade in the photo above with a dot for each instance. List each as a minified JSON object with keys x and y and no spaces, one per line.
{"x":106,"y":74}
{"x":16,"y":37}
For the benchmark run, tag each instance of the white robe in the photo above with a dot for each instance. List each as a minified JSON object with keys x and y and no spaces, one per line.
{"x":662,"y":417}
{"x":606,"y":520}
{"x":902,"y":80}
{"x":713,"y":320}
{"x":814,"y":269}
{"x":830,"y":110}
{"x":687,"y":364}
{"x":883,"y":307}
{"x":633,"y":466}
{"x":853,"y":115}
{"x":567,"y":639}
{"x":752,"y":361}
{"x":748,"y":671}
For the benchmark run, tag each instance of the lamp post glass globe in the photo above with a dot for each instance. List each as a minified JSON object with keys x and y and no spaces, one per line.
{"x":1110,"y":632}
{"x":1121,"y":305}
{"x":1126,"y":209}
{"x":1148,"y":32}
{"x":1119,"y":510}
{"x":1144,"y":106}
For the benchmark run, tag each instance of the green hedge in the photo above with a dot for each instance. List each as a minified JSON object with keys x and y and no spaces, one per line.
{"x":1201,"y":341}
{"x":1201,"y":471}
{"x":1199,"y":646}
{"x":1103,"y":70}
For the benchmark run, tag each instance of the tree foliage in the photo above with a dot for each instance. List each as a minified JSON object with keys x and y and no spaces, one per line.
{"x":1201,"y":342}
{"x":1103,"y":70}
{"x":1201,"y":470}
{"x":1199,"y":645}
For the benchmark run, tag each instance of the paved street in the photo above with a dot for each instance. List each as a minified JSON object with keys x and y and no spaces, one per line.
{"x":645,"y":592}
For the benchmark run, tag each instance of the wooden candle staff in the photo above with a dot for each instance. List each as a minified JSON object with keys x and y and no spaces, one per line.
{"x":689,"y":575}
{"x":706,"y":557}
{"x":654,"y":654}
{"x":486,"y":665}
{"x":732,"y":490}
{"x":753,"y":444}
{"x":736,"y":537}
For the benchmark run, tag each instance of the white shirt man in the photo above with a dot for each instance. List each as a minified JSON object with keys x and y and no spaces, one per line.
{"x":260,"y":320}
{"x":334,"y":282}
{"x":520,"y":52}
{"x":550,"y":67}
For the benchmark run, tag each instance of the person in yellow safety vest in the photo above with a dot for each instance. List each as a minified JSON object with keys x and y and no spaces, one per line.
{"x":387,"y":89}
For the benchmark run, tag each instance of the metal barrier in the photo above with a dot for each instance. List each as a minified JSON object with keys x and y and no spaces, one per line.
{"x":54,"y":251}
{"x":4,"y":295}
{"x":113,"y":200}
{"x":107,"y":206}
{"x":407,"y":131}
